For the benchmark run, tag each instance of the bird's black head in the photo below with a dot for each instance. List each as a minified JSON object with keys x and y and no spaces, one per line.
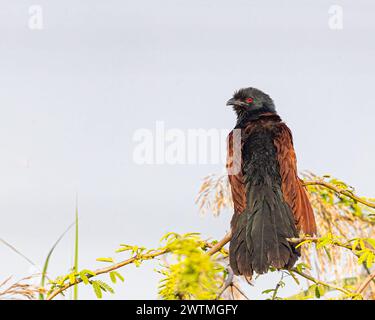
{"x":250,"y":103}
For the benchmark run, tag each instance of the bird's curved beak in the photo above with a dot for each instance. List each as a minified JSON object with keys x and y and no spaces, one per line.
{"x":231,"y":102}
{"x":234,"y":102}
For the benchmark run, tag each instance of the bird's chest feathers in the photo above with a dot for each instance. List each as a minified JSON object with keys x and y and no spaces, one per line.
{"x":259,"y":154}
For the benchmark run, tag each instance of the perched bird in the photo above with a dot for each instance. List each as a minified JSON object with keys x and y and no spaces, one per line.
{"x":270,"y":202}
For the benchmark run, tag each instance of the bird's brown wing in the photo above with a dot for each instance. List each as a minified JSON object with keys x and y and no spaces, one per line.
{"x":239,"y":256}
{"x":234,"y":168}
{"x":292,"y":187}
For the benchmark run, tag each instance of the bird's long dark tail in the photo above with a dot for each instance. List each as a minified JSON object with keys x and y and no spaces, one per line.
{"x":259,"y":234}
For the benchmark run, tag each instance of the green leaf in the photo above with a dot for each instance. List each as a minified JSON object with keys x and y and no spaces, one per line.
{"x":268,"y":291}
{"x":72,"y":278}
{"x":114,"y":274}
{"x":369,"y":260}
{"x":90,"y":272}
{"x":97,"y":289}
{"x":317,"y":292}
{"x":362,"y":244}
{"x":371,"y":242}
{"x":302,"y":266}
{"x":294,"y":277}
{"x":105,"y":260}
{"x":106,"y":287}
{"x":355,"y":245}
{"x":328,"y":254}
{"x":302,"y":243}
{"x":137,"y":263}
{"x":363,"y":257}
{"x":124,"y":247}
{"x":169,"y":235}
{"x":84,"y":278}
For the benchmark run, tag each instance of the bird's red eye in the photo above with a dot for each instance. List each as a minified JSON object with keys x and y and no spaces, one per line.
{"x":249,"y":100}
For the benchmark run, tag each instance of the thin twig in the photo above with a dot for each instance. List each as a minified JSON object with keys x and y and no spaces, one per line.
{"x":336,"y":243}
{"x":326,"y":284}
{"x":278,"y":285}
{"x":339,"y":191}
{"x":228,"y":282}
{"x":365,"y":283}
{"x":18,"y":252}
{"x":20,"y":289}
{"x":218,"y":246}
{"x":240,"y":291}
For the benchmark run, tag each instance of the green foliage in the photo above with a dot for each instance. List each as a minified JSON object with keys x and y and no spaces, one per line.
{"x":114,"y":275}
{"x":311,"y":292}
{"x":194,"y":274}
{"x":302,"y":267}
{"x":83,"y":275}
{"x":133,"y":249}
{"x":99,"y":286}
{"x":191,"y":273}
{"x":97,"y":289}
{"x":342,"y":199}
{"x":72,"y":278}
{"x":105,"y":260}
{"x":318,"y":289}
{"x":328,"y":240}
{"x":364,"y":249}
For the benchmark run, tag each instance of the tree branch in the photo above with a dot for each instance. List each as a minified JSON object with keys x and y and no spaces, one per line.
{"x":218,"y":246}
{"x":113,"y":267}
{"x":365,"y":283}
{"x":339,"y":191}
{"x":334,"y":242}
{"x":214,"y":249}
{"x":326,"y":284}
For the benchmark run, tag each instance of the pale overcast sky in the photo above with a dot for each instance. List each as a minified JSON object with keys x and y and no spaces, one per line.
{"x":73,"y":94}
